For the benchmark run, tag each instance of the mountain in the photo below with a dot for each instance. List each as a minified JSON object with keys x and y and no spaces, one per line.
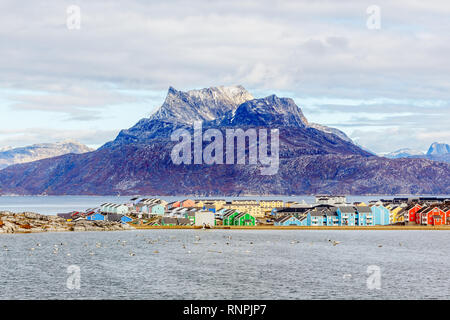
{"x":404,"y":153}
{"x":201,"y":105}
{"x":5,"y":148}
{"x":312,"y":159}
{"x":438,"y":149}
{"x":10,"y":156}
{"x":437,"y":152}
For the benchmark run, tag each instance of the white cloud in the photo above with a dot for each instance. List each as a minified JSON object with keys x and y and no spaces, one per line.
{"x":310,"y":48}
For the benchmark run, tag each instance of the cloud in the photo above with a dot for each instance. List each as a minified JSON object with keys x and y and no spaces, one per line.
{"x":78,"y":102}
{"x":24,"y":137}
{"x":308,"y":48}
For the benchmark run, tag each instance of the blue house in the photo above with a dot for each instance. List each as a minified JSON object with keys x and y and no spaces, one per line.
{"x":364,"y":216}
{"x":380,"y":215}
{"x":125,"y":219}
{"x":118,"y":218}
{"x":331,"y":217}
{"x":157,"y":209}
{"x":315,"y":218}
{"x":288,"y":221}
{"x":346,"y":215}
{"x":95,"y":217}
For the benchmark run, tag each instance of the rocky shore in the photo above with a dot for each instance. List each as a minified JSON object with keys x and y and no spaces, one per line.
{"x":29,"y":222}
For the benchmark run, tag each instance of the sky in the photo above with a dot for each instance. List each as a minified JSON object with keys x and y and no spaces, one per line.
{"x":383,"y":79}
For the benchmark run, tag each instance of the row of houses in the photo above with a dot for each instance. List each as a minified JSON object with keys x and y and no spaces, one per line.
{"x":335,"y":216}
{"x":424,"y":213}
{"x":94,"y":215}
{"x":325,"y":211}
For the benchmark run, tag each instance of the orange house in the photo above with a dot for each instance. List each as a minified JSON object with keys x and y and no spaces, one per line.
{"x":188,"y":203}
{"x":174,"y":204}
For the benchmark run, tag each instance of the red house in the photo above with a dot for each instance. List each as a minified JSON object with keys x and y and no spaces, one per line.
{"x":418,"y":215}
{"x":433,"y":216}
{"x":411,"y":212}
{"x":447,"y":215}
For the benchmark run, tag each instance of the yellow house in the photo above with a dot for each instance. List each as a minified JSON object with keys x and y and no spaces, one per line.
{"x":252,"y":208}
{"x":360,"y":204}
{"x":216,"y":203}
{"x":271,"y":204}
{"x":268,"y":205}
{"x":394,"y":211}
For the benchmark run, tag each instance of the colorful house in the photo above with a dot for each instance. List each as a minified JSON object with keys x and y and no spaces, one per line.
{"x":114,"y":208}
{"x":173,"y":204}
{"x":228,"y":217}
{"x":331,"y":217}
{"x":287,"y":221}
{"x":205,"y":218}
{"x":244,"y":219}
{"x":118,"y":218}
{"x":364,"y":216}
{"x":187,"y":203}
{"x":156,"y":209}
{"x":315,"y":218}
{"x":396,"y":214}
{"x":433,"y":216}
{"x":346,"y":215}
{"x":95,"y":217}
{"x":381,"y":215}
{"x":411,"y":210}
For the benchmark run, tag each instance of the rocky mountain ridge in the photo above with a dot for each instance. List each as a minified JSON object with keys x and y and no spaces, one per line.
{"x":312,"y":159}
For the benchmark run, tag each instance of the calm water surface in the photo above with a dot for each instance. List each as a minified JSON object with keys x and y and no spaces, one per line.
{"x":252,"y":264}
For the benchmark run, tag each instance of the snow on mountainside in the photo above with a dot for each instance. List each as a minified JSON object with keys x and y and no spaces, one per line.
{"x":438,"y":149}
{"x":404,"y":153}
{"x":201,"y":105}
{"x":10,"y":156}
{"x":217,"y":106}
{"x":436,"y":152}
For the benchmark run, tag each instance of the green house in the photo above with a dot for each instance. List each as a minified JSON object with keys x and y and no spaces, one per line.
{"x":244,"y":219}
{"x":228,"y":217}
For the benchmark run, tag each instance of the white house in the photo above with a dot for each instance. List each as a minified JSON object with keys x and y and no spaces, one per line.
{"x":205,"y":218}
{"x":114,"y":208}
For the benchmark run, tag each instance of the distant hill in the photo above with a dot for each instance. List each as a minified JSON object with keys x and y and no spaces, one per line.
{"x":313,"y":158}
{"x":10,"y":156}
{"x":436,"y":152}
{"x":437,"y":149}
{"x":404,"y":153}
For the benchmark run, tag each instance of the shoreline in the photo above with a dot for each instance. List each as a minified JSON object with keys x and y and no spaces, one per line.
{"x":29,"y":222}
{"x":413,"y":227}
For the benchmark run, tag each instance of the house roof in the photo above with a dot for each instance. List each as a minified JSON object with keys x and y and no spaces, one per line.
{"x":286,"y":218}
{"x":347,"y":209}
{"x":114,"y":216}
{"x":364,"y":209}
